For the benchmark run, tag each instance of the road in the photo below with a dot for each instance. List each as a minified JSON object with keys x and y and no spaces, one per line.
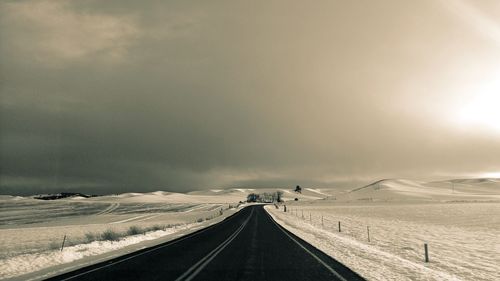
{"x":246,"y":246}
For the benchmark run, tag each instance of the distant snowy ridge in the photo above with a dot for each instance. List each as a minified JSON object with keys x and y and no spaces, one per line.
{"x":402,"y":189}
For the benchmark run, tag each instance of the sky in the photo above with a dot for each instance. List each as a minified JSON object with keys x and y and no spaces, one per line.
{"x":116,"y":96}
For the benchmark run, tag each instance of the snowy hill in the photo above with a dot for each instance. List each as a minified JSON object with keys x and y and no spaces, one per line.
{"x":408,"y":190}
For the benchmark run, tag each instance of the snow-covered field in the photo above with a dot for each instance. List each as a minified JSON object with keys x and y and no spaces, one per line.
{"x":32,"y":230}
{"x":459,"y":220}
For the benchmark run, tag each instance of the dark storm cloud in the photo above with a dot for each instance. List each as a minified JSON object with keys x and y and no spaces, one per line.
{"x":114,"y":97}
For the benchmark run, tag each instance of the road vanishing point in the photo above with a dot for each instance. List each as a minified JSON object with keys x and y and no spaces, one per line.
{"x":248,"y":245}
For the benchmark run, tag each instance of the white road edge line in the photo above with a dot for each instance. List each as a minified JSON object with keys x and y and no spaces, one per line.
{"x":142,"y":253}
{"x":197,"y":267}
{"x":305,"y":249}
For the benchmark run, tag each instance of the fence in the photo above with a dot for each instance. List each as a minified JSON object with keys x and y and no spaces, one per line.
{"x":355,"y":230}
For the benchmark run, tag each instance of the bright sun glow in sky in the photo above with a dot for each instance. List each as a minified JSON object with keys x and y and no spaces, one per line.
{"x":482,"y":110}
{"x":116,"y":96}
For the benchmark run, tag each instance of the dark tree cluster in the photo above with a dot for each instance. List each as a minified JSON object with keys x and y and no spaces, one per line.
{"x":265,"y":197}
{"x":61,"y":195}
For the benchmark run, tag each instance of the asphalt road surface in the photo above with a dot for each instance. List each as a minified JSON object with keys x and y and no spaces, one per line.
{"x":246,"y":246}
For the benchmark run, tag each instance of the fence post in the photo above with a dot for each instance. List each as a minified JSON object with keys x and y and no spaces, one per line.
{"x":285,"y":208}
{"x":426,"y":252}
{"x":64,"y":240}
{"x":302,"y":214}
{"x":322,"y":224}
{"x":368,"y":230}
{"x":339,"y":227}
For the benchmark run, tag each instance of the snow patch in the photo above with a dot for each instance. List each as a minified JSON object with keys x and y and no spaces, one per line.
{"x":317,"y":191}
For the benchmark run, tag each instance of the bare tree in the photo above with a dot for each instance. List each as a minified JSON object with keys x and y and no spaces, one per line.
{"x":279,"y":195}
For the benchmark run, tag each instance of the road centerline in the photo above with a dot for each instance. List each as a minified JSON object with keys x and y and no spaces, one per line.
{"x":202,"y":263}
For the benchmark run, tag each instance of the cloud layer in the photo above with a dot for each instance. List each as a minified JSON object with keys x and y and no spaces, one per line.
{"x":112,"y":96}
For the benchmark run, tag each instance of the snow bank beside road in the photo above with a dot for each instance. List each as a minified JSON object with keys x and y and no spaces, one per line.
{"x":44,"y":264}
{"x":396,"y":249}
{"x":26,"y":263}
